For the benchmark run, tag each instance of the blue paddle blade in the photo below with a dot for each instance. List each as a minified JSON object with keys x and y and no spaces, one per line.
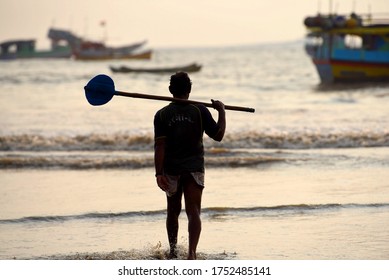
{"x":99,"y":90}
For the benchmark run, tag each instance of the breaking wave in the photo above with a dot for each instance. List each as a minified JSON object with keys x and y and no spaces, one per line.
{"x":244,"y":140}
{"x":210,"y":213}
{"x":125,"y":151}
{"x":91,"y":142}
{"x":122,"y":160}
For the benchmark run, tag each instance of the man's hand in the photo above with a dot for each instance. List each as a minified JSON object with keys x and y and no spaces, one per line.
{"x":221,"y":122}
{"x":162,"y":183}
{"x":218,"y":105}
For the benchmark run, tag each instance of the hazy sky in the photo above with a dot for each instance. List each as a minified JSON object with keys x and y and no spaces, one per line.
{"x":167,"y":23}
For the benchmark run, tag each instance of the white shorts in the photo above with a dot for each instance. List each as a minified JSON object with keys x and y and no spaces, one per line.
{"x":173,"y":181}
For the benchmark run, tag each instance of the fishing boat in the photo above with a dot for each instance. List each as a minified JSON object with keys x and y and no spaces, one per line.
{"x":193,"y":67}
{"x":65,"y":44}
{"x":83,"y":49}
{"x":62,"y":42}
{"x":352,"y":48}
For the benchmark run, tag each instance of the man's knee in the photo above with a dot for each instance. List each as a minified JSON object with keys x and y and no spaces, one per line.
{"x":174,"y":213}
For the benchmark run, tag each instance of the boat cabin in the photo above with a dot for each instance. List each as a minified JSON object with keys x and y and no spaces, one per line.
{"x":10,"y":49}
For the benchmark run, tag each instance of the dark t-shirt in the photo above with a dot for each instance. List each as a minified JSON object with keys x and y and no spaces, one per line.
{"x":183,"y":126}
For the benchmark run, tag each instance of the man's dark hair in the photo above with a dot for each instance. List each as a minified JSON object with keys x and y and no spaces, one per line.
{"x":180,"y":84}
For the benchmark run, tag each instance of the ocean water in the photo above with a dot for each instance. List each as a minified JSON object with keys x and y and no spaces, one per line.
{"x":304,"y":177}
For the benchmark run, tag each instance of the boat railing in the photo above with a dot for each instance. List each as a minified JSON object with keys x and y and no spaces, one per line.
{"x":376,"y":19}
{"x":353,"y":20}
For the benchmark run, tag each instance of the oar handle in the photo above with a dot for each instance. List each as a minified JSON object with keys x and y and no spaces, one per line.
{"x":187,"y":101}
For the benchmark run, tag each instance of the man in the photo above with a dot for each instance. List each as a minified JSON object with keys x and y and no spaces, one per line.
{"x":179,"y":157}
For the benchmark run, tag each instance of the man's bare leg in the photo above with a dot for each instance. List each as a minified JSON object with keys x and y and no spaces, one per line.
{"x":193,"y":194}
{"x":173,"y":212}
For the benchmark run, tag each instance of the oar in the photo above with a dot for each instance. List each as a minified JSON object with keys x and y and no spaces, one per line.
{"x":101,"y":89}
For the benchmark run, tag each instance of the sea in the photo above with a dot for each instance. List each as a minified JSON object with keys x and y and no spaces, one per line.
{"x":305,"y":177}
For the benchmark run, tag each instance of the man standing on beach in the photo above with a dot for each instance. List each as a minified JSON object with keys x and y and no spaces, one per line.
{"x":179,"y":157}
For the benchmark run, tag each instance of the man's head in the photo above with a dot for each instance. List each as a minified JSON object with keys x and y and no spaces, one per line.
{"x":180,"y":85}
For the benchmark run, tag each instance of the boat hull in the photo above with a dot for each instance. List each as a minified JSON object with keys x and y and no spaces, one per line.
{"x":331,"y":71}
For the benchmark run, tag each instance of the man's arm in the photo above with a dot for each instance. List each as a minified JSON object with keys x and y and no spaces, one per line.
{"x":159,"y":158}
{"x":221,"y":122}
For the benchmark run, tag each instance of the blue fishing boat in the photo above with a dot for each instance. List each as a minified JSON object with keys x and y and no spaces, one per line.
{"x":352,"y":48}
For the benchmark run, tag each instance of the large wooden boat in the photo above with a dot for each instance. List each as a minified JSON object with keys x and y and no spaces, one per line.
{"x":351,"y":48}
{"x":65,"y":44}
{"x":194,"y":67}
{"x":62,"y":42}
{"x":83,"y":49}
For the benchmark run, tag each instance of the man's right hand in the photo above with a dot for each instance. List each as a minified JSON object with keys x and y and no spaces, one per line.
{"x":162,"y":183}
{"x":218,"y":105}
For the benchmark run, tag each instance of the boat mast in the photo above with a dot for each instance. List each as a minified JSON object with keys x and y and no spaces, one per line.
{"x":330,"y":7}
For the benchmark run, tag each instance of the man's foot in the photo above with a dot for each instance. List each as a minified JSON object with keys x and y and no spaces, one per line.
{"x":173,"y":254}
{"x":192,"y":256}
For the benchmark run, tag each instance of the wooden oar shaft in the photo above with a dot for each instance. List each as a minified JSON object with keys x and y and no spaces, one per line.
{"x":187,"y":101}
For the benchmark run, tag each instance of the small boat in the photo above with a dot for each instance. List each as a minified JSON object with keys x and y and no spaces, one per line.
{"x":352,"y":48}
{"x":193,"y":67}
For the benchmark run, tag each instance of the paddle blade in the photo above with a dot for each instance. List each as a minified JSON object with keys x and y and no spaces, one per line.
{"x":99,"y":90}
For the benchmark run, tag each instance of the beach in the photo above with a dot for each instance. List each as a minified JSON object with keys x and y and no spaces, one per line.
{"x":305,"y":177}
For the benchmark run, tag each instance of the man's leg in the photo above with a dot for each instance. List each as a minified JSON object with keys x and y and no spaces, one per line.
{"x":173,"y":212}
{"x":193,"y":193}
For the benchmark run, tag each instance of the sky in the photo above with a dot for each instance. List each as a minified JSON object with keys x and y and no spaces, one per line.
{"x":171,"y":23}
